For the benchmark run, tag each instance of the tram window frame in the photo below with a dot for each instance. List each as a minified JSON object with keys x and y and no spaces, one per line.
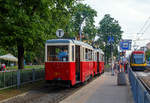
{"x":53,"y":52}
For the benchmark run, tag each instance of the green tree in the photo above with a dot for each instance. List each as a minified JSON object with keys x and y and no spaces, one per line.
{"x":82,"y":14}
{"x":26,"y":24}
{"x":109,"y":27}
{"x":3,"y":51}
{"x":147,"y":54}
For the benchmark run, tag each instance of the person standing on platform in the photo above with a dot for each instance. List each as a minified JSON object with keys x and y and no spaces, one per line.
{"x":0,"y":66}
{"x":120,"y":66}
{"x":112,"y":69}
{"x":124,"y":63}
{"x":126,"y":67}
{"x":115,"y":68}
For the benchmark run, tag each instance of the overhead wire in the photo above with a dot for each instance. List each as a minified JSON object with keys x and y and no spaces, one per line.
{"x":142,"y":30}
{"x":146,"y":22}
{"x":146,"y":28}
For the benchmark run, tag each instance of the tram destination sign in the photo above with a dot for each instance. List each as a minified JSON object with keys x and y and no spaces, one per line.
{"x":125,"y":44}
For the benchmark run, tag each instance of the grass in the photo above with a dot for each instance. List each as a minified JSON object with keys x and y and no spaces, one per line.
{"x":11,"y":92}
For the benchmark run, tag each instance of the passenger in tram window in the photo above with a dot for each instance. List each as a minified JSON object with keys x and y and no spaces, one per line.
{"x":63,"y":55}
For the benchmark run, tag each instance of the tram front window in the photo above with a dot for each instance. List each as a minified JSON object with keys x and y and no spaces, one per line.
{"x":138,"y":58}
{"x":57,"y":53}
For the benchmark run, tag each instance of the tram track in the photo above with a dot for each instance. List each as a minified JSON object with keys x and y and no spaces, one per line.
{"x":145,"y":84}
{"x":144,"y":77}
{"x":46,"y":94}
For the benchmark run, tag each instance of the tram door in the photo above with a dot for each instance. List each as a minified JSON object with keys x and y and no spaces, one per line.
{"x":98,"y":62}
{"x":77,"y":59}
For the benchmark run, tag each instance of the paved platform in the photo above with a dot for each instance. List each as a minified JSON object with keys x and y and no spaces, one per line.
{"x":104,"y":89}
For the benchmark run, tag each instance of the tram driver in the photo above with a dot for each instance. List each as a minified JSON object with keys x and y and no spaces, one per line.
{"x":63,"y":55}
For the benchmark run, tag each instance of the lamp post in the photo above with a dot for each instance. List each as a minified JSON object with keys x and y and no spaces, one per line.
{"x":80,"y":32}
{"x":111,"y":41}
{"x":112,"y":59}
{"x":80,"y":26}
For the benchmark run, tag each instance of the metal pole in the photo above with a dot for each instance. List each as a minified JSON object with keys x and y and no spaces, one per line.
{"x":4,"y":79}
{"x":112,"y":61}
{"x":105,"y":54}
{"x":18,"y":79}
{"x":80,"y":32}
{"x":33,"y":75}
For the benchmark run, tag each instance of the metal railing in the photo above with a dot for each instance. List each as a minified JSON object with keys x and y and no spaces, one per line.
{"x":140,"y":94}
{"x":18,"y":77}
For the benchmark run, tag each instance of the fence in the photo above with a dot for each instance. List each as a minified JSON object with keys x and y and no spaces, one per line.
{"x":19,"y":77}
{"x":140,"y":94}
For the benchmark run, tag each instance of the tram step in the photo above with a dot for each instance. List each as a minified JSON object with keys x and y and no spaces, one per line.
{"x":78,"y":82}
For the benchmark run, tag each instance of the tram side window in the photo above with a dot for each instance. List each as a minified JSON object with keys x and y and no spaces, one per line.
{"x":88,"y":55}
{"x":95,"y":56}
{"x":57,"y":53}
{"x":83,"y":56}
{"x":72,"y":53}
{"x":102,"y":58}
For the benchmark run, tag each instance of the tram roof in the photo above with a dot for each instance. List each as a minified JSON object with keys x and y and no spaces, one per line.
{"x":100,"y":50}
{"x":68,"y":41}
{"x":138,"y":52}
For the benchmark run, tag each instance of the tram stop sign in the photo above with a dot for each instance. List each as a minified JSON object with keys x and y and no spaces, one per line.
{"x":125,"y":45}
{"x":110,"y":39}
{"x":59,"y":33}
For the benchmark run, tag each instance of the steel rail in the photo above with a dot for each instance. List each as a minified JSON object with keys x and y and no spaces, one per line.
{"x":145,"y":85}
{"x":142,"y":81}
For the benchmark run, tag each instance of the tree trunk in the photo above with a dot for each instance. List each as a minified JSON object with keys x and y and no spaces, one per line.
{"x":20,"y":55}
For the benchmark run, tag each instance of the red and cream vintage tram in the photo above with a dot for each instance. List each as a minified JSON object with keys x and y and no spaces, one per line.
{"x":99,"y":61}
{"x":70,"y":61}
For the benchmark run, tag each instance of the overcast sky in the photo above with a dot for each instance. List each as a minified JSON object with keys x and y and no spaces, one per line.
{"x":131,"y":14}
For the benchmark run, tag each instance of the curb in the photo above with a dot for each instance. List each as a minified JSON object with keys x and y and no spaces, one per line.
{"x":20,"y":95}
